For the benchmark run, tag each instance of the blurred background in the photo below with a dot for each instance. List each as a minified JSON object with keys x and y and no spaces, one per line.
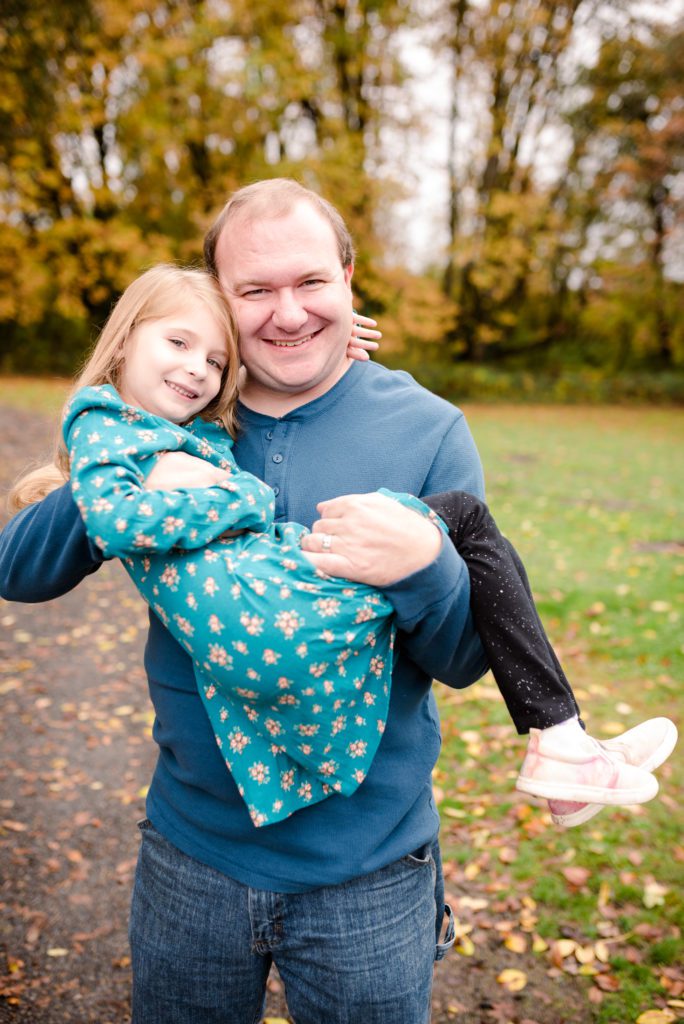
{"x":512,"y":171}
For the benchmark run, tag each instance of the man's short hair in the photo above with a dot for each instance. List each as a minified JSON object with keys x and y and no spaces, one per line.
{"x":275,"y":197}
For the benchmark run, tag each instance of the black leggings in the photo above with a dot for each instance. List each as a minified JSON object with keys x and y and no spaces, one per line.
{"x":522,"y":660}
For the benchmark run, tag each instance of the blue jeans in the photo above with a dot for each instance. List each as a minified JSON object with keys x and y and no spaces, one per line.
{"x":202,"y":944}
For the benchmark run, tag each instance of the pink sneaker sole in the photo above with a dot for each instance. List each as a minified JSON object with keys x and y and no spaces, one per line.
{"x":569,"y":814}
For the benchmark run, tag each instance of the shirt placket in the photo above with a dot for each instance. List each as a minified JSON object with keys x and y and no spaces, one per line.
{"x":279,"y":439}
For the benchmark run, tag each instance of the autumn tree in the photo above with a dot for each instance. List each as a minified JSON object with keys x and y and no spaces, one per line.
{"x":514,"y":65}
{"x":135,"y":122}
{"x":629,"y":159}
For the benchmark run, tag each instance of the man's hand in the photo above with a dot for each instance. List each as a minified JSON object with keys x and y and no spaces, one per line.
{"x":178,"y":469}
{"x":370,"y":538}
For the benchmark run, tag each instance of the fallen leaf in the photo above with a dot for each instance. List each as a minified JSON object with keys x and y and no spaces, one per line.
{"x":454,"y":812}
{"x":602,"y":951}
{"x":656,"y":1017}
{"x":654,"y":894}
{"x":471,"y":903}
{"x":576,"y":875}
{"x":604,"y":895}
{"x":607,"y":982}
{"x":512,"y":979}
{"x":562,"y":948}
{"x":57,"y":951}
{"x":516,"y":943}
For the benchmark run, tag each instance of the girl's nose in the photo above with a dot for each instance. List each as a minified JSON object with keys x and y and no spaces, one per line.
{"x":196,"y":365}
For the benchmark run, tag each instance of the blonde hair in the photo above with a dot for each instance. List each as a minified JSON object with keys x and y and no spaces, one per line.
{"x":274,"y":197}
{"x":156,"y":294}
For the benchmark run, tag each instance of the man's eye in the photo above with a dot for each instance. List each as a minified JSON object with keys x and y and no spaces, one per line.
{"x":312,"y":282}
{"x":254,"y":293}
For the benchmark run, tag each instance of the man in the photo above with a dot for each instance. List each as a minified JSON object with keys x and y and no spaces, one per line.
{"x":341,"y":896}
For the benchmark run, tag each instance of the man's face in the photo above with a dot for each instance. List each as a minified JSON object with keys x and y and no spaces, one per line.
{"x":292,"y":299}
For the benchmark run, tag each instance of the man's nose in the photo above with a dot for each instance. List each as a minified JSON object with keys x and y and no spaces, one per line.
{"x":289,"y":314}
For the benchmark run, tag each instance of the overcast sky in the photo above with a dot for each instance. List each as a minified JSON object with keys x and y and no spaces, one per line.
{"x":421,"y":230}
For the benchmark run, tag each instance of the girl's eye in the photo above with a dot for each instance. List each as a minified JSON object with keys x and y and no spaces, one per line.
{"x":178,"y":342}
{"x":216,"y":363}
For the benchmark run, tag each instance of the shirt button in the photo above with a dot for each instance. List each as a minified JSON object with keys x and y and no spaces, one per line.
{"x":276,"y":491}
{"x":277,"y":458}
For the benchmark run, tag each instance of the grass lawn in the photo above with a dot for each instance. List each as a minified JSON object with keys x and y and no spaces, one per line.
{"x":44,"y":394}
{"x":594,"y":500}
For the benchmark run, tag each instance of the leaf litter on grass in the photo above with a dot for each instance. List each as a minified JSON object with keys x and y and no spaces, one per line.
{"x":77,"y":756}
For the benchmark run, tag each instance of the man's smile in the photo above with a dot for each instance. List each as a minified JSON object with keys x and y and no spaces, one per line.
{"x":292,"y":342}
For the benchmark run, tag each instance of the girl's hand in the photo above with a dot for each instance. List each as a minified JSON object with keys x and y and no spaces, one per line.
{"x":362,"y":338}
{"x":178,"y":469}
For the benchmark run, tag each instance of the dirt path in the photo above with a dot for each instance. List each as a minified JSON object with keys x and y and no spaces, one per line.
{"x":76,"y":754}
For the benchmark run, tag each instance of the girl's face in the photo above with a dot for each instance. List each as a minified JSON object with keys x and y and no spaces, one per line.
{"x":173,"y":366}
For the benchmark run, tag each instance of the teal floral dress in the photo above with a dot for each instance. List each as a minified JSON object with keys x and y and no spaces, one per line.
{"x":293,"y":666}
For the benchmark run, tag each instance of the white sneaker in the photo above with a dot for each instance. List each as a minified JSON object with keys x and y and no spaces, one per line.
{"x":645,"y":746}
{"x":581,"y":771}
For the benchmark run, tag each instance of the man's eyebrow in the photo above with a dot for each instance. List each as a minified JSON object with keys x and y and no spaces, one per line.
{"x":253,"y":282}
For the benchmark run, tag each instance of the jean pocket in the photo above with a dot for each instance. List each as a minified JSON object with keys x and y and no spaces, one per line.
{"x":420,"y":857}
{"x":145,"y":825}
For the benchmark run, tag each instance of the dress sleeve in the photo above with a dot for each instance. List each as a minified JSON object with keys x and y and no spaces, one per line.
{"x":109,"y":461}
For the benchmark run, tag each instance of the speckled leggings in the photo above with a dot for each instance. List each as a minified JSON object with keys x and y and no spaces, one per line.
{"x":520,"y":655}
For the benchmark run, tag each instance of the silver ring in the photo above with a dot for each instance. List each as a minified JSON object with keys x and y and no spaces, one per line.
{"x":326,"y":542}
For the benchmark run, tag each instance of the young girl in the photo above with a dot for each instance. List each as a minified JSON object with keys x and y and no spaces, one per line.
{"x":293,"y":666}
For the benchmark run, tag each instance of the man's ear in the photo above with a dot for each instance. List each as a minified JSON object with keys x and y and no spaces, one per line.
{"x":348,"y":273}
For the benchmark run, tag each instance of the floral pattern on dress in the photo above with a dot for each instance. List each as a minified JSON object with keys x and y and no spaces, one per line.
{"x":293,"y":666}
